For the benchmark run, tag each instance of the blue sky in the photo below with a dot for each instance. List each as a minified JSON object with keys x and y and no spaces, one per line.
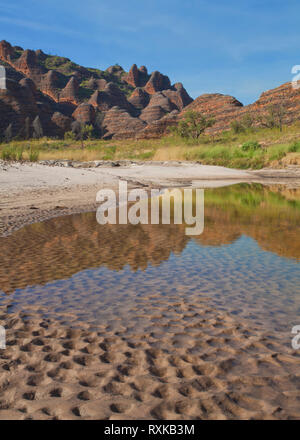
{"x":236,"y":47}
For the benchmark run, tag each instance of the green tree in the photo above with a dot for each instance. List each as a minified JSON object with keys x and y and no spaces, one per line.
{"x":274,"y":117}
{"x":193,"y":125}
{"x":82,"y":131}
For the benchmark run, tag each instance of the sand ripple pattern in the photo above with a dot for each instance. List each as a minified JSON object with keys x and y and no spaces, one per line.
{"x":191,"y":363}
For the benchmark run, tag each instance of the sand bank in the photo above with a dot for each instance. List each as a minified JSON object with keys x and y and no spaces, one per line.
{"x":34,"y":192}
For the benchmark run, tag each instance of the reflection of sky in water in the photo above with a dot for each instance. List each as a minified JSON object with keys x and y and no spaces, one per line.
{"x":240,"y":278}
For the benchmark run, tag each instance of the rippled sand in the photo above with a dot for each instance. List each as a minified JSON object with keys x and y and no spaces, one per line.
{"x":193,"y":363}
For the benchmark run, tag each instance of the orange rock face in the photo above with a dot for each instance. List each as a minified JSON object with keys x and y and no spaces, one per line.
{"x":59,"y":92}
{"x":137,"y":77}
{"x":84,"y":113}
{"x":133,"y":104}
{"x":6,"y":51}
{"x":29,"y":66}
{"x":111,"y":96}
{"x":133,"y":76}
{"x":139,"y":98}
{"x":152,"y":113}
{"x":157,"y":82}
{"x":179,"y":96}
{"x":50,"y":84}
{"x":119,"y":124}
{"x":70,"y":92}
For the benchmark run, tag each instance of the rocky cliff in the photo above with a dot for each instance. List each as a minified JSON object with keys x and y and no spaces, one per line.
{"x":134,"y":104}
{"x":60,"y":92}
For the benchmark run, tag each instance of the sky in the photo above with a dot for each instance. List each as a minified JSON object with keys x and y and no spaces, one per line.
{"x":235,"y":47}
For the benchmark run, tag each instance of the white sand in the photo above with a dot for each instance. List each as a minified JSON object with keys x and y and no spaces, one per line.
{"x":34,"y":192}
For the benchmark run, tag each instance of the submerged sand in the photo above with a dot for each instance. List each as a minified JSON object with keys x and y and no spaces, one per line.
{"x":195,"y":363}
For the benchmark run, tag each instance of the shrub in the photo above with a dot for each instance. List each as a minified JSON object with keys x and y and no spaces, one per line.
{"x":33,"y":155}
{"x":251,"y":146}
{"x":237,"y":127}
{"x":19,"y":153}
{"x":246,"y":123}
{"x":69,"y":136}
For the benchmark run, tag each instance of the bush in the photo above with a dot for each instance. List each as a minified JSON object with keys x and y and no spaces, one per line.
{"x":251,"y":146}
{"x":294,"y":148}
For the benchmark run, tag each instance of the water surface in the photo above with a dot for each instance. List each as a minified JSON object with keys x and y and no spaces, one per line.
{"x":246,"y":262}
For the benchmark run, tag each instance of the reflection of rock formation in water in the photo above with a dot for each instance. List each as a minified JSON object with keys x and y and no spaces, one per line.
{"x":61,"y":247}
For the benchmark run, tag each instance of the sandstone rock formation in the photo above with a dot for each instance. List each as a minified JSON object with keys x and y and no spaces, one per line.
{"x":29,"y":84}
{"x":134,"y":104}
{"x":227,"y":109}
{"x":119,"y":124}
{"x":70,"y":92}
{"x":137,"y":77}
{"x":222,"y":107}
{"x":60,"y":91}
{"x":139,"y":98}
{"x":84,"y":113}
{"x":157,"y":82}
{"x":96,"y":84}
{"x":158,"y":128}
{"x":178,"y":96}
{"x":28,"y":64}
{"x":50,"y":84}
{"x":63,"y":123}
{"x":115,"y":70}
{"x":6,"y":51}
